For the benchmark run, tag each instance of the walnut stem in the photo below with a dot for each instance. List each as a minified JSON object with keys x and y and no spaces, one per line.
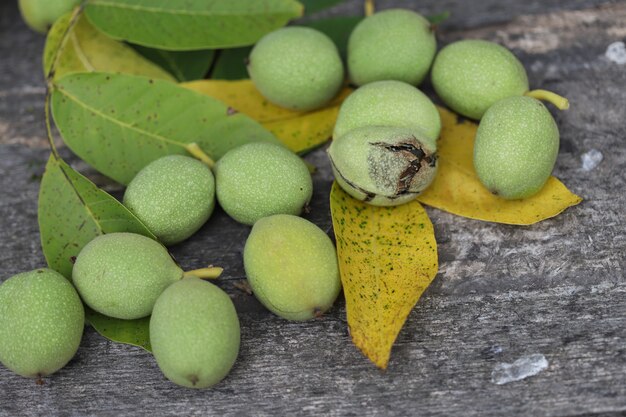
{"x":198,"y":153}
{"x":369,"y":7}
{"x":210,"y":272}
{"x":561,"y":103}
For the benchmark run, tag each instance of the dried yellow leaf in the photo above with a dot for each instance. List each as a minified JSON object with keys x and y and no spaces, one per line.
{"x":457,"y":190}
{"x":299,"y":131}
{"x":243,"y":96}
{"x":387,"y":258}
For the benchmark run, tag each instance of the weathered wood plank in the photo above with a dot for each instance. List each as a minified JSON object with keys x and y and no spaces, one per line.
{"x":556,"y":288}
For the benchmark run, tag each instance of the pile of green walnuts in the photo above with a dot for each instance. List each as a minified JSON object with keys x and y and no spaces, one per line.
{"x":384,"y":152}
{"x":385,"y":139}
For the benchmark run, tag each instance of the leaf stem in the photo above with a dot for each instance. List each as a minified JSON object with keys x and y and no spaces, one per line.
{"x":211,"y":272}
{"x":561,"y":103}
{"x":198,"y":153}
{"x":46,"y":109}
{"x":369,"y":7}
{"x":73,"y":20}
{"x":50,"y":76}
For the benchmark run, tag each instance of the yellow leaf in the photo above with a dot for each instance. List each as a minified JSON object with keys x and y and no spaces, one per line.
{"x":299,"y":131}
{"x":457,"y":190}
{"x":387,"y":258}
{"x":86,"y":49}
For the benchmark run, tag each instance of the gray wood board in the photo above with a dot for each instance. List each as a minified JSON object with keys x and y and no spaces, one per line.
{"x":556,"y":288}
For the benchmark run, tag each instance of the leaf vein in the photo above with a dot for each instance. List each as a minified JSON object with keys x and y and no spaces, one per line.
{"x":116,"y":121}
{"x":181,"y":12}
{"x":80,"y":197}
{"x":80,"y":53}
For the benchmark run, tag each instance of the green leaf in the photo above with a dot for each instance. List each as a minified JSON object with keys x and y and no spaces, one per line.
{"x":438,"y":18}
{"x":131,"y":332}
{"x":184,"y":65}
{"x":187,"y":25}
{"x":231,"y":63}
{"x":338,"y":29}
{"x":120,"y":123}
{"x":73,"y":211}
{"x":85,"y":49}
{"x":314,"y":6}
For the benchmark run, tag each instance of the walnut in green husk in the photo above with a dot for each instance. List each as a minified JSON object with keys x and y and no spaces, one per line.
{"x":383,"y":166}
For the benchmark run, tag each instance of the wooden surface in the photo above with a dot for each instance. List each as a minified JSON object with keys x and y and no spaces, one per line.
{"x":503,"y":292}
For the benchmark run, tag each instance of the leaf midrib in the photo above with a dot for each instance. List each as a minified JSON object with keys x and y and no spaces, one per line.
{"x":152,"y":9}
{"x":79,"y":195}
{"x":116,"y":121}
{"x":82,"y":57}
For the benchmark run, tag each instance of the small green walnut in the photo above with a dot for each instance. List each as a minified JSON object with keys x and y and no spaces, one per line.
{"x":296,"y":67}
{"x":41,"y":322}
{"x":260,"y":179}
{"x":471,"y":75}
{"x":194,"y":333}
{"x":390,"y":103}
{"x":516,"y":146}
{"x":383,"y":166}
{"x":173,"y":196}
{"x":122,"y":274}
{"x":291,"y":265}
{"x":41,"y":14}
{"x":394,"y":44}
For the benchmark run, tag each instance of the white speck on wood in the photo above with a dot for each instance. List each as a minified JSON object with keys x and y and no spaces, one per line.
{"x":526,"y":366}
{"x":590,"y":160}
{"x":616,"y":52}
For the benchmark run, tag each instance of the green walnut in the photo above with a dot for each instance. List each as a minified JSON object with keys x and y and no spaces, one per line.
{"x":257,"y":180}
{"x":383,"y":166}
{"x":194,"y":333}
{"x":390,"y":103}
{"x":122,"y":274}
{"x":173,"y":196}
{"x":394,"y":44}
{"x":41,"y":322}
{"x":291,"y":265}
{"x":516,"y":146}
{"x":41,"y":14}
{"x":297,"y":68}
{"x":471,"y":75}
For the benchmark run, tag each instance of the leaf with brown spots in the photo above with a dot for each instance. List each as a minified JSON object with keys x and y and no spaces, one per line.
{"x":299,"y":131}
{"x":119,"y":123}
{"x":72,"y":212}
{"x":456,"y":188}
{"x":387,"y":259}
